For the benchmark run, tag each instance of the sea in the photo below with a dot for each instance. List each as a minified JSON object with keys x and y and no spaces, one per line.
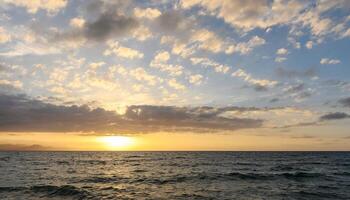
{"x":174,"y":175}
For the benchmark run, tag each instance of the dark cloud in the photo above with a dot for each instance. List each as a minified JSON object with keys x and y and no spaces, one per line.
{"x":302,"y":124}
{"x":296,"y":88}
{"x":255,"y":87}
{"x":298,"y":91}
{"x":196,"y":118}
{"x":302,"y":137}
{"x":334,"y":116}
{"x":94,"y":7}
{"x":8,"y":88}
{"x":304,"y":95}
{"x":20,"y":147}
{"x":109,"y":25}
{"x":106,"y":26}
{"x":274,"y":100}
{"x":260,"y":88}
{"x":287,"y":73}
{"x":345,"y":102}
{"x":336,"y":83}
{"x":112,"y":19}
{"x":18,"y":113}
{"x":170,"y":21}
{"x":104,"y":20}
{"x":176,"y":24}
{"x":2,"y":68}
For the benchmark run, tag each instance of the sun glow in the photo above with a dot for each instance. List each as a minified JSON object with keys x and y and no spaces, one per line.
{"x":117,"y":142}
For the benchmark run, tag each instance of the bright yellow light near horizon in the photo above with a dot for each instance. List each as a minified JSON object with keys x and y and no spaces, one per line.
{"x":117,"y":142}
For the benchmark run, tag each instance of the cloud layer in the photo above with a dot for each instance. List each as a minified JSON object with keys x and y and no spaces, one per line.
{"x":18,"y":113}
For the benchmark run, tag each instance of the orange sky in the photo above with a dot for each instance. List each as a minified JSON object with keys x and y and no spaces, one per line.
{"x":238,"y":141}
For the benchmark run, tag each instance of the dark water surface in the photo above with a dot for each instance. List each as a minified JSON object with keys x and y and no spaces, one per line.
{"x":175,"y":175}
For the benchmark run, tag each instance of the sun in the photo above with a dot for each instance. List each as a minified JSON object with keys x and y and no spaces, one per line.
{"x":117,"y":142}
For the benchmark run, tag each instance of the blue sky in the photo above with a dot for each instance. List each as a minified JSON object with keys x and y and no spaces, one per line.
{"x":287,"y":59}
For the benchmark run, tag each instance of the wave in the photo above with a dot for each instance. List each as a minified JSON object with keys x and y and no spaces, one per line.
{"x":92,"y":162}
{"x":342,"y":173}
{"x":5,"y":159}
{"x":65,"y":190}
{"x":227,"y":177}
{"x":269,"y":176}
{"x":191,"y":196}
{"x":302,"y":175}
{"x":249,"y":164}
{"x":343,"y":164}
{"x":62,"y":162}
{"x":282,"y":168}
{"x":97,"y":179}
{"x":11,"y":189}
{"x":50,"y":191}
{"x":318,"y":195}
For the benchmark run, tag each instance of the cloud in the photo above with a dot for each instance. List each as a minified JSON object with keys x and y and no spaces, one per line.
{"x":3,"y":67}
{"x":208,"y":40}
{"x":328,"y":61}
{"x":121,"y":51}
{"x":249,"y":14}
{"x":347,"y":33}
{"x":16,"y":84}
{"x":19,"y":113}
{"x":51,"y":6}
{"x":280,"y":59}
{"x":77,"y":22}
{"x":173,"y":83}
{"x":195,"y":118}
{"x":301,"y":124}
{"x":259,"y":84}
{"x":58,"y":75}
{"x":4,"y":35}
{"x":149,"y":13}
{"x":334,"y":116}
{"x":21,"y":49}
{"x":345,"y":102}
{"x":109,"y":24}
{"x":141,"y":75}
{"x":309,"y":44}
{"x":282,"y":51}
{"x":206,"y":62}
{"x":295,"y":88}
{"x":21,"y":147}
{"x":286,"y":73}
{"x":246,"y":47}
{"x":162,"y":57}
{"x":96,"y":65}
{"x":298,"y":92}
{"x":196,"y":79}
{"x":294,"y":42}
{"x":160,"y":62}
{"x":275,"y":117}
{"x":273,"y":100}
{"x":142,"y":33}
{"x":343,"y":85}
{"x":260,"y":88}
{"x":171,"y":22}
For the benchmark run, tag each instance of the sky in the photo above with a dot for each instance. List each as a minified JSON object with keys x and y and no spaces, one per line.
{"x":175,"y":75}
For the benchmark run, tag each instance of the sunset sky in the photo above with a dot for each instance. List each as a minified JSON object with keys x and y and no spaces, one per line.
{"x":174,"y":75}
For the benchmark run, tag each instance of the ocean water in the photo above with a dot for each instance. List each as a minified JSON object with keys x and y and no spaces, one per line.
{"x":174,"y":175}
